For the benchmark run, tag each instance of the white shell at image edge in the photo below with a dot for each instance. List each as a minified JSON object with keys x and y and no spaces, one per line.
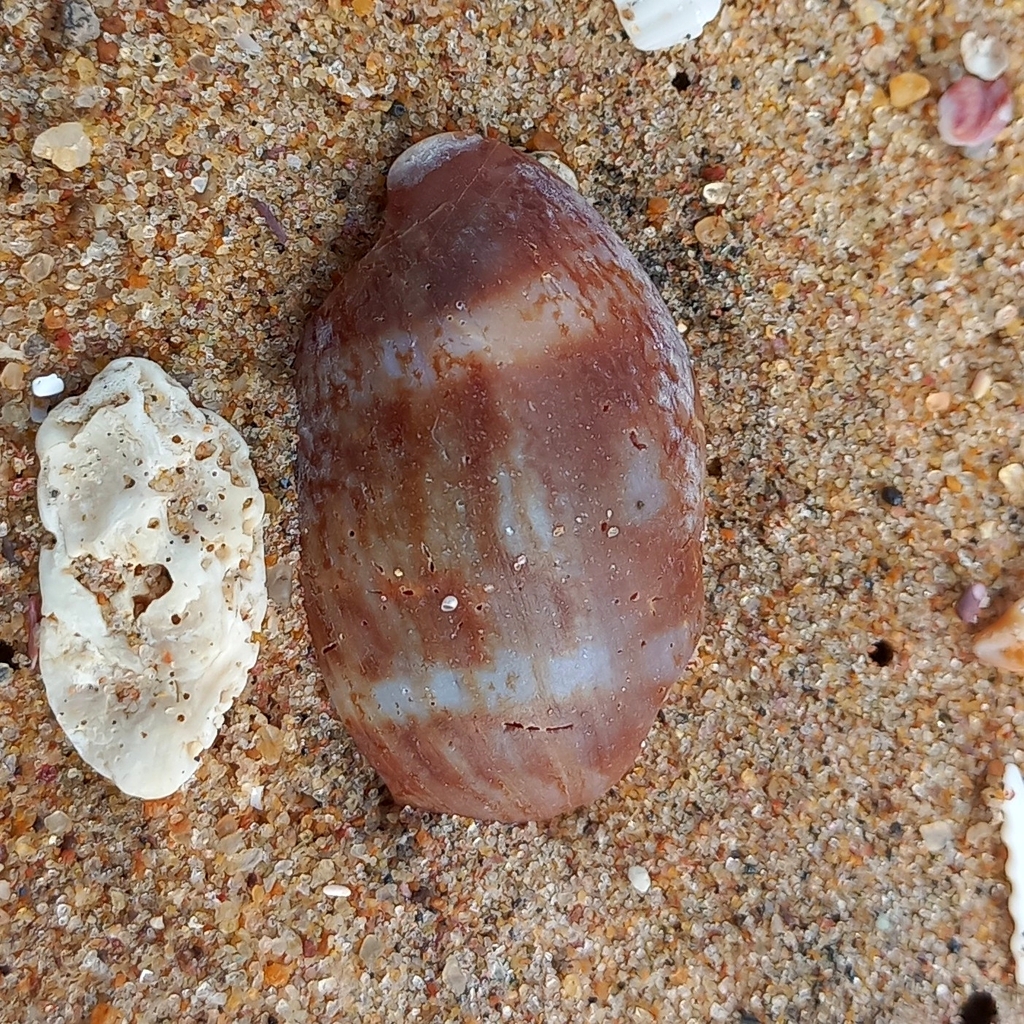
{"x":658,"y":24}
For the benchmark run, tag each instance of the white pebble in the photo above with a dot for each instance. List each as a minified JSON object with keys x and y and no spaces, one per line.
{"x":981,"y":384}
{"x":639,"y":878}
{"x":335,"y":891}
{"x":868,"y":12}
{"x":937,"y":835}
{"x":47,"y":387}
{"x":1011,"y":477}
{"x":454,"y":976}
{"x":57,"y":823}
{"x":247,"y":44}
{"x":564,"y":171}
{"x":65,"y":145}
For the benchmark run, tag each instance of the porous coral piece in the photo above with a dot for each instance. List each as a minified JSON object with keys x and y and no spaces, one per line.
{"x":155,"y":582}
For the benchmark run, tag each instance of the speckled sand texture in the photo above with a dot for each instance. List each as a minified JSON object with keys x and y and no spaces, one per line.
{"x":809,"y":834}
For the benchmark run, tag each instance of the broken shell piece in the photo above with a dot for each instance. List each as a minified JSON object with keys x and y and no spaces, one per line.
{"x":988,"y":57}
{"x":156,"y":580}
{"x":562,"y":169}
{"x":973,"y":112}
{"x":47,"y":387}
{"x":658,"y":24}
{"x":1002,"y":643}
{"x":1013,"y":839}
{"x":45,"y":393}
{"x":972,"y":600}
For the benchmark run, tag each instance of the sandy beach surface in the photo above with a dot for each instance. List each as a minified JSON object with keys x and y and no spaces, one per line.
{"x":810,"y":832}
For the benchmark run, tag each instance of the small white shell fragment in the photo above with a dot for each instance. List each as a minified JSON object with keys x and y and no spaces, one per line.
{"x":156,"y":581}
{"x":245,"y":42}
{"x":47,"y":387}
{"x":639,"y":878}
{"x":1002,"y":643}
{"x":658,"y":24}
{"x":1013,"y":839}
{"x":986,"y":57}
{"x":335,"y":891}
{"x":716,"y":192}
{"x":564,"y":171}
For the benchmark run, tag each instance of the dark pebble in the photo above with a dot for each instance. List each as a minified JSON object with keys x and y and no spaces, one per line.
{"x":892,"y":495}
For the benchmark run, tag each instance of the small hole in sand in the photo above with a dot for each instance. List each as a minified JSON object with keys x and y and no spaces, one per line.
{"x":881,"y":652}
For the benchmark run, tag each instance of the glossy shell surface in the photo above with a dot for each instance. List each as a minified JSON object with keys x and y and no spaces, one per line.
{"x":501,"y":467}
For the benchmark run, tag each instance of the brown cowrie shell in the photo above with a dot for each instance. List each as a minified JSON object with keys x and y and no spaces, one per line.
{"x":501,"y":474}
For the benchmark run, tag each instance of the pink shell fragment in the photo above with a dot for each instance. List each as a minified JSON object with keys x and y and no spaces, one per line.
{"x":971,"y":602}
{"x":973,"y":112}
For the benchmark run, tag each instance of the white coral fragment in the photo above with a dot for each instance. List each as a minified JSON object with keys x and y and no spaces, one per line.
{"x":658,"y":24}
{"x":1013,"y":840}
{"x":156,"y":581}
